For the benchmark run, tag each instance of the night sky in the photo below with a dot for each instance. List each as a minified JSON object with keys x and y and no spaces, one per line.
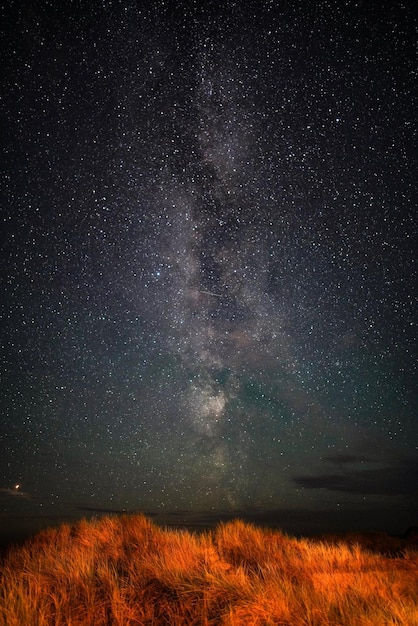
{"x":208,"y":245}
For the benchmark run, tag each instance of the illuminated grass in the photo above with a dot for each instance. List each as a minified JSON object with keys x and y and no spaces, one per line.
{"x":126,"y":571}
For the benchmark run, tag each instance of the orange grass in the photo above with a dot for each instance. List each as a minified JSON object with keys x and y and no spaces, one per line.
{"x":126,"y":571}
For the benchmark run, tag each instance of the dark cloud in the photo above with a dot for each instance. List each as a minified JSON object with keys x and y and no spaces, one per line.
{"x":398,"y":478}
{"x":15,"y":492}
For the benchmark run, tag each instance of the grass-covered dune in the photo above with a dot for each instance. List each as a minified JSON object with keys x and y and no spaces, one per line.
{"x":126,"y":571}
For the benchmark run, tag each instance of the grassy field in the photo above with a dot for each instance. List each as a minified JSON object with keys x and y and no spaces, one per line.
{"x":126,"y":571}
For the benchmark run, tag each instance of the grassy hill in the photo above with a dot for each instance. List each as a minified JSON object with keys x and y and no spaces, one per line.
{"x":126,"y":571}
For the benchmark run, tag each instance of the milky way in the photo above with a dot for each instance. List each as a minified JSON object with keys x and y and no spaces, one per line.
{"x":208,"y":260}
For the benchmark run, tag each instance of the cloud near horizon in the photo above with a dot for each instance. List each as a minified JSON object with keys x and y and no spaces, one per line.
{"x":399,"y":477}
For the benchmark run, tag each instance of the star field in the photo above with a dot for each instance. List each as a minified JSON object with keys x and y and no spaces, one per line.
{"x":208,"y":247}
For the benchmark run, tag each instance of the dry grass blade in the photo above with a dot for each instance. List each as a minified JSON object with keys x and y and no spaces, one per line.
{"x":126,"y":571}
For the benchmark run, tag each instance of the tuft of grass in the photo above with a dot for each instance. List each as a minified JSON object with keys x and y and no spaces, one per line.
{"x":126,"y":571}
